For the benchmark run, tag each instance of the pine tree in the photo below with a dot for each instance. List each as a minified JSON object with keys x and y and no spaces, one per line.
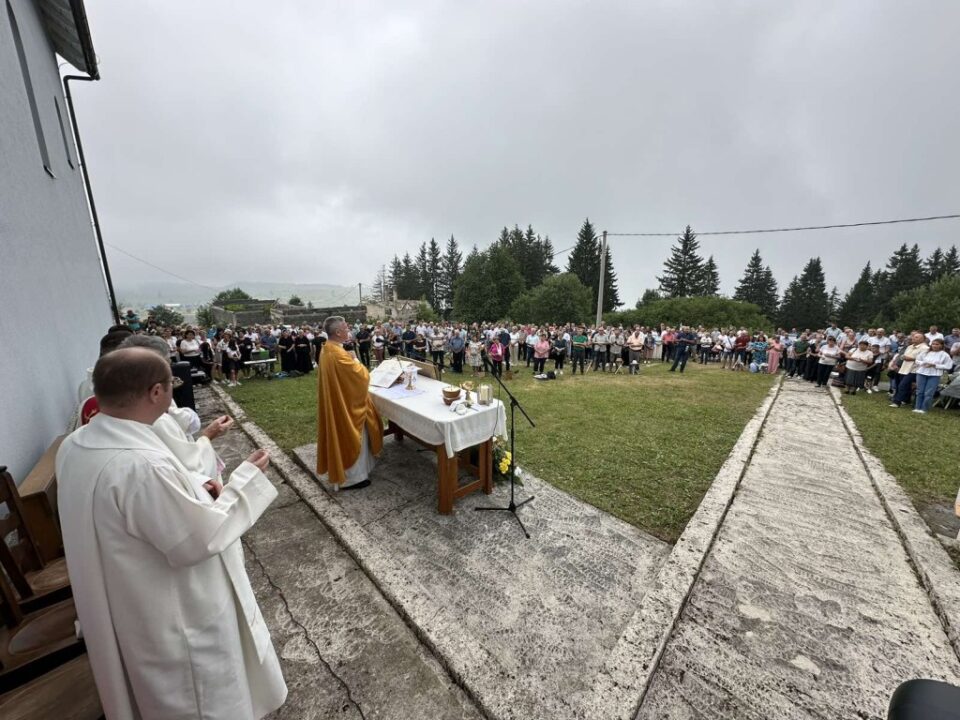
{"x":806,"y":303}
{"x":904,"y":272}
{"x":584,"y":262}
{"x":933,"y":266}
{"x":408,"y":285}
{"x":710,"y":280}
{"x":611,"y":293}
{"x":433,"y":279}
{"x":683,"y":270}
{"x":422,"y":264}
{"x":758,"y":286}
{"x":833,"y":303}
{"x":584,"y":259}
{"x":789,"y":306}
{"x":449,"y":272}
{"x":951,"y":262}
{"x":859,"y":305}
{"x":394,"y":277}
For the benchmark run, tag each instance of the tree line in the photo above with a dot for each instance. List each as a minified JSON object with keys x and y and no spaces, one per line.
{"x":883,"y":296}
{"x":514,"y":277}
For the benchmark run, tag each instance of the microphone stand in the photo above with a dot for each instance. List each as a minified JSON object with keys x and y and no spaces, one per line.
{"x":513,"y":506}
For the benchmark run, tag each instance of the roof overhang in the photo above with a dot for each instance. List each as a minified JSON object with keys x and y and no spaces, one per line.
{"x":66,"y":24}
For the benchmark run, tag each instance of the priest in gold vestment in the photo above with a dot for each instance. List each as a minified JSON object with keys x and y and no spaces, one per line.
{"x":349,"y":429}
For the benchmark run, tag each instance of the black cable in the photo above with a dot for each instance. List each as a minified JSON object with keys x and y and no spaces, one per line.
{"x":793,"y":229}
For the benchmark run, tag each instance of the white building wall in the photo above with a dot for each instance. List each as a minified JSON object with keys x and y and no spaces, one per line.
{"x":53,"y":300}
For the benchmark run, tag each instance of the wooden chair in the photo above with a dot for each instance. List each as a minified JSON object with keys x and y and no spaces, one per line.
{"x":37,"y":584}
{"x":67,"y":692}
{"x":38,"y":495}
{"x":36,"y":642}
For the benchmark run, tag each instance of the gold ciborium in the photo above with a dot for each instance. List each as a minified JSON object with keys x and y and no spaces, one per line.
{"x":467,"y":387}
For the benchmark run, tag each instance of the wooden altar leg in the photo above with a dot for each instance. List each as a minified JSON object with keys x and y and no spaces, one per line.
{"x":394,"y":430}
{"x":446,"y":480}
{"x":485,"y":465}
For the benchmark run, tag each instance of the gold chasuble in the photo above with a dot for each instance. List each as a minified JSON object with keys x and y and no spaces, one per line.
{"x":343,"y":408}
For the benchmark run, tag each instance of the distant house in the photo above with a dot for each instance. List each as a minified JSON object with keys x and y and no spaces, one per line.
{"x":240,"y":313}
{"x":395,"y":310}
{"x":54,"y":303}
{"x":299,"y":315}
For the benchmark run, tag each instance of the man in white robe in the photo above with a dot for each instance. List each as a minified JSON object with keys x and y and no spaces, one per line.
{"x":172,"y":627}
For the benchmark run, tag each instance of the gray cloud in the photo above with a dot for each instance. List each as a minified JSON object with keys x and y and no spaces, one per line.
{"x":310,"y":141}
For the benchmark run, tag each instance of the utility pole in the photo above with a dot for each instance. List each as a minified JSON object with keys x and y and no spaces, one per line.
{"x":360,"y":286}
{"x":603,"y":272}
{"x":383,"y":284}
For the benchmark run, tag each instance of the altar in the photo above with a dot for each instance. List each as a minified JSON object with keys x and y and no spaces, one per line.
{"x":456,"y":436}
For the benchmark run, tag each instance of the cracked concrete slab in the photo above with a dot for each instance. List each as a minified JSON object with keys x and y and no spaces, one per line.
{"x":807,"y":605}
{"x":344,"y":651}
{"x":524,"y":624}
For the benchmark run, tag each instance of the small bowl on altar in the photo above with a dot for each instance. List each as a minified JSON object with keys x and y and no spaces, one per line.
{"x":451,"y":394}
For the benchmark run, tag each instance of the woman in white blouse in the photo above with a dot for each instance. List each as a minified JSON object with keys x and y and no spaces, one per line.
{"x":929,"y":366}
{"x":829,"y":355}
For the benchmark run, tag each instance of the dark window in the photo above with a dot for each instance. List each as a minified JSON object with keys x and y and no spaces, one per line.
{"x":63,"y":134}
{"x":28,"y":85}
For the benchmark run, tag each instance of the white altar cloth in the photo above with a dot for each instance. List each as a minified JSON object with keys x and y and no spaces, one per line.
{"x":426,"y":417}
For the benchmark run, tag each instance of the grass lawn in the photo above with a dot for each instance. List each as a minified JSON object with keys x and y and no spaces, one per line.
{"x":919,"y":450}
{"x":642,"y":448}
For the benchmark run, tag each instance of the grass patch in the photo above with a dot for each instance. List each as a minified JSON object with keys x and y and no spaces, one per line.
{"x":644,"y":449}
{"x":918,"y":450}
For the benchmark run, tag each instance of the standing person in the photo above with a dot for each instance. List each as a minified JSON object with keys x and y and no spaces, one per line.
{"x":858,"y":362}
{"x":685,"y":340}
{"x":495,"y":353}
{"x":617,"y":342}
{"x":636,"y":342}
{"x":705,"y":342}
{"x":394,"y":345}
{"x":420,"y":348}
{"x":559,"y":351}
{"x":457,"y":346}
{"x":669,"y":339}
{"x":437,"y":345}
{"x":829,"y":356}
{"x":649,"y":345}
{"x":190,"y":349}
{"x":774,"y":353}
{"x":408,"y":336}
{"x":504,"y":337}
{"x":231,"y":358}
{"x":906,"y":373}
{"x":288,"y":358}
{"x":740,"y":343}
{"x":206,"y":356}
{"x":319,"y":339}
{"x":541,"y":352}
{"x":930,"y":366}
{"x":800,"y":346}
{"x":600,"y":342}
{"x":301,"y":352}
{"x":364,"y":338}
{"x":474,"y":354}
{"x":349,"y":429}
{"x":378,"y":343}
{"x":171,"y":624}
{"x":579,"y":342}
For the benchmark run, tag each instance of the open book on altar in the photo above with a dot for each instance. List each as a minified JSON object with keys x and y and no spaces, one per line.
{"x":386,"y":373}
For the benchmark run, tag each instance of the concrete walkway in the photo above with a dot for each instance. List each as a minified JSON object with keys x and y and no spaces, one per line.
{"x":807,"y":605}
{"x":345,"y":652}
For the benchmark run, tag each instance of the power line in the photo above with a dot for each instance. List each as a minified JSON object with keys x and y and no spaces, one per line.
{"x":163,"y":270}
{"x":793,"y":229}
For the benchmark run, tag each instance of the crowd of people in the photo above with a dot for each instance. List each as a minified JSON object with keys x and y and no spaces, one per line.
{"x":857,"y":360}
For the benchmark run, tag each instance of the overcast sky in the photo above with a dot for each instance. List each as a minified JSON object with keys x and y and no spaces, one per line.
{"x":309,"y":142}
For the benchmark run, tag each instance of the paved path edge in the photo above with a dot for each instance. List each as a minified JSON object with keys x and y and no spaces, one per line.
{"x":385,"y":574}
{"x":627,"y":673}
{"x":933,"y":566}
